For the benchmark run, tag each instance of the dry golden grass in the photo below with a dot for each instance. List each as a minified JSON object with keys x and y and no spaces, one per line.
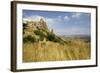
{"x":50,"y":51}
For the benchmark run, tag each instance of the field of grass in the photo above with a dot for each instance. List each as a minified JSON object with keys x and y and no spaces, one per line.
{"x":74,"y":49}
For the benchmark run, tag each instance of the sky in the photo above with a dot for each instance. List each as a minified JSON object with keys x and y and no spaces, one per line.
{"x":62,"y":23}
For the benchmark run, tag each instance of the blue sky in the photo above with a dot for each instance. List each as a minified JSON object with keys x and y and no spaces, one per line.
{"x":63,"y":23}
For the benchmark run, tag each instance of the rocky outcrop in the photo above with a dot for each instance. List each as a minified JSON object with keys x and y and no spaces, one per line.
{"x":31,"y":26}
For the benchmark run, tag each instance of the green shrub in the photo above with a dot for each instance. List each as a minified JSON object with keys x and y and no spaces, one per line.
{"x":29,"y":39}
{"x":51,"y":37}
{"x":41,"y":34}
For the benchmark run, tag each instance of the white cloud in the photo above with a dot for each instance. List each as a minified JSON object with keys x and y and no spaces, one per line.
{"x":60,"y":17}
{"x":76,"y":15}
{"x":50,"y":21}
{"x":54,"y":20}
{"x":38,"y":17}
{"x":66,"y":18}
{"x":33,"y":18}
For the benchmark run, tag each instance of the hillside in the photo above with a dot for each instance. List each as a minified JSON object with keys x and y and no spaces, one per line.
{"x":38,"y":31}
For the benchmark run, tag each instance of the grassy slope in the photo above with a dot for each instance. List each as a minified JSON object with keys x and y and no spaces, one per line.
{"x":76,"y":49}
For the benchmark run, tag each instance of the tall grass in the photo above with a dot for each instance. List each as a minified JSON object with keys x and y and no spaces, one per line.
{"x":76,"y":49}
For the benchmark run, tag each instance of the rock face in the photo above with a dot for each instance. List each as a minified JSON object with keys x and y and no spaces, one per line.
{"x":42,"y":24}
{"x":31,"y":26}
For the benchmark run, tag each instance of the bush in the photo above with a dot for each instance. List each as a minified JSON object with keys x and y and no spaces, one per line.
{"x":51,"y":37}
{"x":41,"y":34}
{"x":29,"y":39}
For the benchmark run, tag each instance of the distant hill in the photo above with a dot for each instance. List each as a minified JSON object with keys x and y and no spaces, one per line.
{"x":86,"y":38}
{"x":77,"y":36}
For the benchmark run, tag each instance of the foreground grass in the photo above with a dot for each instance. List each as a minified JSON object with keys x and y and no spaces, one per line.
{"x":76,"y":49}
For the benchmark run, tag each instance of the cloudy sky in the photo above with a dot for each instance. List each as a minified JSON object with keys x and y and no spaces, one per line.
{"x":63,"y":23}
